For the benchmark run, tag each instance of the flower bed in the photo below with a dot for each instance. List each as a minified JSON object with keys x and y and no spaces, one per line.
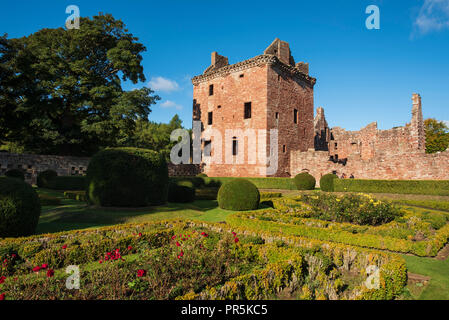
{"x":412,"y":232}
{"x":190,"y":260}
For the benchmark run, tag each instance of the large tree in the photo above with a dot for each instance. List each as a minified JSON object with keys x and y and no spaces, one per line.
{"x":61,"y":90}
{"x":437,"y":135}
{"x":155,"y":136}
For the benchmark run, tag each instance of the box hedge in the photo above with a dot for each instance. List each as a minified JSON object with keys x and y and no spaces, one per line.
{"x":260,"y":183}
{"x":238,"y":194}
{"x":430,"y":187}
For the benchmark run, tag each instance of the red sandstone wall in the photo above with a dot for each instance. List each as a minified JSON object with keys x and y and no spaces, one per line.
{"x":231,"y":92}
{"x":409,"y":166}
{"x":284,"y":95}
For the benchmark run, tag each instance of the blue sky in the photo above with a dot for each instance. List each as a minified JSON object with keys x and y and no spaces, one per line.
{"x":362,"y":75}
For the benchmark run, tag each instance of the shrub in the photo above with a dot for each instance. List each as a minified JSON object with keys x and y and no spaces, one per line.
{"x":238,"y":194}
{"x":76,"y":195}
{"x":261,"y":183}
{"x":128,"y":177}
{"x":431,"y":187}
{"x":20,"y":208}
{"x":15,"y":173}
{"x":305,"y":181}
{"x":67,"y":183}
{"x":181,"y":192}
{"x":327,"y":182}
{"x":203,"y":175}
{"x":44,"y":178}
{"x":47,"y":200}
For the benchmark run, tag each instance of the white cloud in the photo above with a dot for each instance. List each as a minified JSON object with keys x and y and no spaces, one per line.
{"x":163,"y":84}
{"x":171,"y":104}
{"x":433,"y":16}
{"x":446,"y":123}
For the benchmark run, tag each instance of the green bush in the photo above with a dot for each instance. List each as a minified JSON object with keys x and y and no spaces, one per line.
{"x":203,"y":175}
{"x":127,"y":177}
{"x":206,"y":194}
{"x":20,"y":208}
{"x":305,"y":181}
{"x":44,"y":178}
{"x":238,"y":194}
{"x":327,"y":182}
{"x":181,"y":192}
{"x":261,"y":183}
{"x":431,"y":187}
{"x":67,"y":183}
{"x":76,"y":195}
{"x":15,"y":173}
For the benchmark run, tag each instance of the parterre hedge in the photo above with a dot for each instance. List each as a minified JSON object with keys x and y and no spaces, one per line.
{"x":378,"y":237}
{"x":73,"y":183}
{"x":260,"y":183}
{"x":430,"y":187}
{"x":308,"y":268}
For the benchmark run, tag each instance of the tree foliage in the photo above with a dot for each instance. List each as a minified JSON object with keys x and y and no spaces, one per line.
{"x":61,"y":90}
{"x":437,"y":135}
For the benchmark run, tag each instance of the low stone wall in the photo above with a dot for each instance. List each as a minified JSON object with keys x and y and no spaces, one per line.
{"x":32,"y":164}
{"x":406,"y":166}
{"x":184,"y":170}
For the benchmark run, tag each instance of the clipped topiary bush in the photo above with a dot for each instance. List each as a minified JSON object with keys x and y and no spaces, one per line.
{"x":127,"y":177}
{"x":15,"y":173}
{"x":44,"y":178}
{"x":20,"y":208}
{"x":181,"y":192}
{"x":305,"y":181}
{"x":238,"y":194}
{"x":327,"y":182}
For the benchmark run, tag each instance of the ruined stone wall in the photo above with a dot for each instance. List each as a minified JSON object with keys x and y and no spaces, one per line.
{"x":369,"y":142}
{"x":405,"y":166}
{"x":32,"y":164}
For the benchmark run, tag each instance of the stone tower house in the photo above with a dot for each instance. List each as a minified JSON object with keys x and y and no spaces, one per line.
{"x":267,"y":92}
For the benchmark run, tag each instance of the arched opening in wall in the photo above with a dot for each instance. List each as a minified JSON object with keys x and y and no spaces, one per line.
{"x":235,"y":146}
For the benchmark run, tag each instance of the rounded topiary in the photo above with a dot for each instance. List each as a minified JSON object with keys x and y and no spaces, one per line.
{"x":20,"y":208}
{"x":127,"y":177}
{"x":305,"y":181}
{"x":44,"y":178}
{"x":327,"y":182}
{"x":15,"y":173}
{"x":238,"y":194}
{"x":181,"y":192}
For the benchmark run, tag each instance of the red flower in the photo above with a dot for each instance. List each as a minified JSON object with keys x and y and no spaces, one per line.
{"x":178,"y":244}
{"x":64,"y":246}
{"x":13,"y":256}
{"x":2,"y":279}
{"x":36,"y":269}
{"x":2,"y":296}
{"x":140,"y":234}
{"x":141,"y":273}
{"x":130,"y":248}
{"x":234,"y":234}
{"x":173,"y":238}
{"x":44,"y":266}
{"x":50,"y":273}
{"x":236,"y":240}
{"x":101,"y":261}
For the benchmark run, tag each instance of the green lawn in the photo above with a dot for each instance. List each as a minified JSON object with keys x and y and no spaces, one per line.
{"x":71,"y":214}
{"x":438,"y":270}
